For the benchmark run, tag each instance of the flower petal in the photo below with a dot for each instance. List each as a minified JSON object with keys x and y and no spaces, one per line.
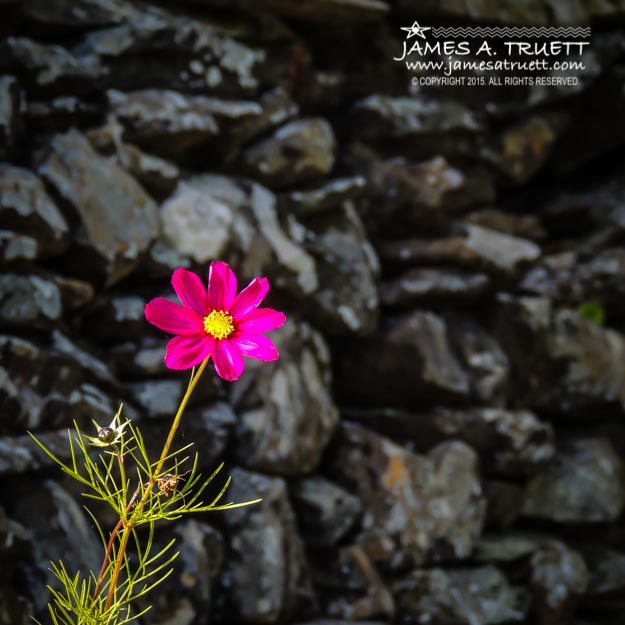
{"x":191,"y":291}
{"x":261,"y":320}
{"x":249,"y":298}
{"x":229,"y":362}
{"x":222,"y":286}
{"x":259,"y":347}
{"x":172,"y":318}
{"x":184,"y":352}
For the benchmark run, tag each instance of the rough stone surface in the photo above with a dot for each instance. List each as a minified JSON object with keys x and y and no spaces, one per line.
{"x":586,"y":484}
{"x":478,"y":595}
{"x":409,"y":363}
{"x":442,"y":438}
{"x":287,"y":415}
{"x":266,"y":575}
{"x":417,"y":508}
{"x":297,"y":152}
{"x":26,"y":207}
{"x":110,"y":243}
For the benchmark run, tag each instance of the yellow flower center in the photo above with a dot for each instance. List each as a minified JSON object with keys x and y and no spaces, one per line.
{"x":219,"y":324}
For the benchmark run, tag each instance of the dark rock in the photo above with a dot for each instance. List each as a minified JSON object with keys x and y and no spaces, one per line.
{"x":416,"y":507}
{"x":116,"y":319}
{"x":25,"y":207}
{"x":109,"y":243}
{"x":384,"y":117}
{"x":51,"y":387}
{"x":563,"y":363}
{"x":60,"y":531}
{"x":188,"y":592}
{"x":21,"y":454}
{"x":524,"y":147}
{"x":50,"y":67}
{"x":586,"y":484}
{"x":327,"y":197}
{"x":349,"y":11}
{"x":74,"y":293}
{"x":433,"y":287}
{"x":60,"y":114}
{"x":504,"y":503}
{"x":346,"y":301}
{"x":297,"y":152}
{"x":512,"y":546}
{"x":75,"y":13}
{"x":559,"y":577}
{"x":422,"y":194}
{"x":157,"y":175}
{"x":154,"y":48}
{"x":266,"y":576}
{"x":170,"y":122}
{"x":409,"y":363}
{"x":467,"y":596}
{"x":10,"y":102}
{"x":512,"y":443}
{"x":143,"y":359}
{"x":360,"y":593}
{"x":522,"y":226}
{"x":488,"y":366}
{"x":286,"y":412}
{"x":328,"y":266}
{"x":16,"y":247}
{"x":567,"y":277}
{"x":325,"y":511}
{"x":606,"y":575}
{"x":29,"y":301}
{"x":480,"y":249}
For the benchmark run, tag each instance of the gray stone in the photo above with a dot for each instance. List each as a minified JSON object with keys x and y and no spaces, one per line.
{"x":416,"y":507}
{"x":157,"y":175}
{"x":346,"y":301}
{"x":349,"y":11}
{"x":297,"y":152}
{"x":49,"y":66}
{"x":559,"y":577}
{"x":29,"y":301}
{"x":382,"y":116}
{"x":10,"y":101}
{"x":110,"y":243}
{"x":422,"y":194}
{"x":202,"y":55}
{"x":325,"y":511}
{"x":266,"y":575}
{"x":286,"y":412}
{"x":480,"y":249}
{"x":563,"y":363}
{"x":60,"y":530}
{"x":16,"y":247}
{"x":75,"y":13}
{"x":26,"y":207}
{"x":488,"y":365}
{"x":463,"y":597}
{"x":586,"y":484}
{"x":171,"y":122}
{"x":410,"y":363}
{"x":522,"y":226}
{"x":433,"y":287}
{"x":60,"y":114}
{"x":327,"y":197}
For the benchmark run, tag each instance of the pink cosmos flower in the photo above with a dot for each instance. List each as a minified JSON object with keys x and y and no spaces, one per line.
{"x":217,"y":323}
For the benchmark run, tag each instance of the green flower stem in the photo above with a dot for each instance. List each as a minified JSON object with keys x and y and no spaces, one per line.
{"x":129,"y":524}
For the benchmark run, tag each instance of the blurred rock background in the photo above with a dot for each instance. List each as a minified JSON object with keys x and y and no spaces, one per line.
{"x":442,"y":440}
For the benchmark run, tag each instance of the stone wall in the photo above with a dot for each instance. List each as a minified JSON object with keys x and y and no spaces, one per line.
{"x":442,"y":439}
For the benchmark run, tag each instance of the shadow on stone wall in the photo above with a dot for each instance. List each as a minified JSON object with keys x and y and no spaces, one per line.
{"x":441,"y":441}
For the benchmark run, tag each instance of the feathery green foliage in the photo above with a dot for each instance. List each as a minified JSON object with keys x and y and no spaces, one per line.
{"x":114,"y":467}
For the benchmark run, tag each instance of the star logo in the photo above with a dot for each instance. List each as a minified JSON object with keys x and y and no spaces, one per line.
{"x":415,"y":30}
